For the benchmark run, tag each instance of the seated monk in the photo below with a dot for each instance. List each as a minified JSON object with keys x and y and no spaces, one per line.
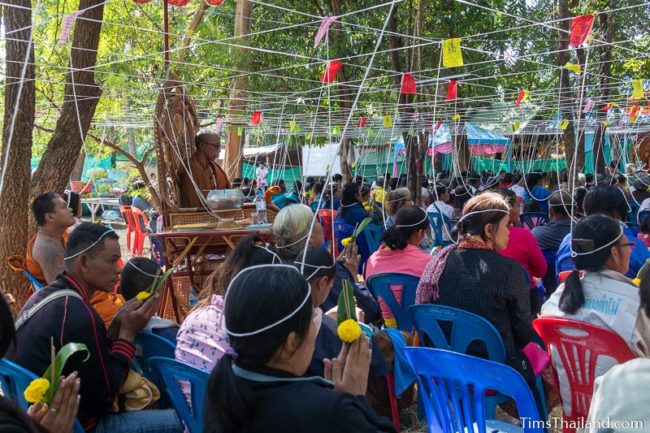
{"x":44,"y":256}
{"x":203,"y":171}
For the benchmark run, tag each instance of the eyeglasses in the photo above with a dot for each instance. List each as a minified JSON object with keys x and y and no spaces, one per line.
{"x":630,"y":245}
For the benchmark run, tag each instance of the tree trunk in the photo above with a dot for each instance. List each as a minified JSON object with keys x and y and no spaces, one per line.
{"x":16,"y":146}
{"x":566,"y":97}
{"x":79,"y":104}
{"x":78,"y":169}
{"x":237,"y":103}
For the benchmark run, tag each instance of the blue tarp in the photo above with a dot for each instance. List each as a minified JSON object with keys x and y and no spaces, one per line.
{"x":476,"y":135}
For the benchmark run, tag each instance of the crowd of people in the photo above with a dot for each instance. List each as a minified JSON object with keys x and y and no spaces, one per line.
{"x":265,"y":323}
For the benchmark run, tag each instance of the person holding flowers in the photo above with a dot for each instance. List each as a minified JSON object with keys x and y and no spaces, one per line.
{"x":61,"y":313}
{"x":259,"y":386}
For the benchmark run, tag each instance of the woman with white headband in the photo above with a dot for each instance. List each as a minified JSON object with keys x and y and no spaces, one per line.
{"x":474,"y":277}
{"x":600,"y":293}
{"x":400,"y":253}
{"x":259,"y":386}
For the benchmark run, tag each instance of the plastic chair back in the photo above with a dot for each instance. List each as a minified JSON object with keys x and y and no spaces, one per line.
{"x":141,"y":222}
{"x":369,"y":241}
{"x":438,"y":221}
{"x":642,"y":216}
{"x":453,"y":388}
{"x":578,"y":350}
{"x":14,"y":379}
{"x":127,"y":216}
{"x":173,"y":372}
{"x":380,"y":287}
{"x":466,"y":328}
{"x":326,"y":217}
{"x":531,"y":220}
{"x":149,"y":345}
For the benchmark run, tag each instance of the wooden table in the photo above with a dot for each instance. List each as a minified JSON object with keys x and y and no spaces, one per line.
{"x":184,"y":249}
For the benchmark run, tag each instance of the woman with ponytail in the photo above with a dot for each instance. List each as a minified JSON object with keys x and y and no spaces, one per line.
{"x":400,"y":252}
{"x":600,"y":293}
{"x":260,"y":385}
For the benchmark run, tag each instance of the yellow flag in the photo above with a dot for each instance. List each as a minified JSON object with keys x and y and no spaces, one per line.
{"x":633,"y":118}
{"x":637,"y":89}
{"x":515,"y":125}
{"x":452,"y":55}
{"x":573,"y":67}
{"x":457,"y":117}
{"x":606,"y":123}
{"x":388,"y":121}
{"x":564,"y":124}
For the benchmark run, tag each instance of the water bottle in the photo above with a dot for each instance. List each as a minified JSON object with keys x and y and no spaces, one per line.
{"x":260,"y":206}
{"x":193,"y":298}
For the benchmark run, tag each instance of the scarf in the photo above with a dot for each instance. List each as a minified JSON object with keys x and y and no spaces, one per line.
{"x":428,"y":288}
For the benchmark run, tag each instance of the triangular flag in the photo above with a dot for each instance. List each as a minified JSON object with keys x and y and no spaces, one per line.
{"x":336,"y":130}
{"x":219,"y":122}
{"x":581,"y":29}
{"x":606,"y":107}
{"x":564,"y":124}
{"x":637,"y":89}
{"x":256,"y":118}
{"x":330,"y":71}
{"x":588,"y":106}
{"x":523,"y":95}
{"x":634,"y":111}
{"x":606,"y":123}
{"x":438,"y":125}
{"x":68,"y":21}
{"x":452,"y":90}
{"x":515,"y":125}
{"x":452,"y":55}
{"x":457,"y":117}
{"x":573,"y":67}
{"x":354,"y":164}
{"x":362,"y":122}
{"x":408,"y":84}
{"x":293,"y":127}
{"x":240,"y":131}
{"x":322,"y":30}
{"x":388,"y":121}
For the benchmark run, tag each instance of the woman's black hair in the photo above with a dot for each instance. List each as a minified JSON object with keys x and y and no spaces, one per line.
{"x":408,"y":220}
{"x":348,"y":197}
{"x":74,"y":200}
{"x":251,"y":306}
{"x":606,"y":200}
{"x":644,"y":295}
{"x":589,"y":234}
{"x":461,"y":195}
{"x":315,"y":258}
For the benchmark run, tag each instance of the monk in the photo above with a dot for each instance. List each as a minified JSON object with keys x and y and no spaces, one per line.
{"x":206,"y":173}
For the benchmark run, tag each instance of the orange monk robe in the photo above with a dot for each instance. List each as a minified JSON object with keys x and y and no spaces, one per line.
{"x":32,"y":266}
{"x":207,"y":176}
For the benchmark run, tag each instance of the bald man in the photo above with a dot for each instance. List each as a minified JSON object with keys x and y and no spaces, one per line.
{"x":206,"y":173}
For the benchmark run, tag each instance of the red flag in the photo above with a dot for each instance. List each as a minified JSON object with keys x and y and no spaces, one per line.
{"x":606,"y":107}
{"x":214,"y":2}
{"x":362,"y":122}
{"x":452,"y":90}
{"x":408,"y":84}
{"x":438,"y":125}
{"x":256,"y":117}
{"x":330,"y":71}
{"x":581,"y":29}
{"x":634,"y":110}
{"x":523,"y":95}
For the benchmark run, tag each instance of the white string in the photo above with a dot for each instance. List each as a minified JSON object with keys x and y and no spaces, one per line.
{"x":296,"y":242}
{"x":132,"y":264}
{"x":275,"y":256}
{"x":426,"y":217}
{"x":89,"y":247}
{"x":316,"y":268}
{"x":277,"y":322}
{"x":586,"y":253}
{"x":476,"y":212}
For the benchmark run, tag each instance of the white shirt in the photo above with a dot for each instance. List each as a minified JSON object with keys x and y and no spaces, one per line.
{"x":441,"y":207}
{"x":261,"y":174}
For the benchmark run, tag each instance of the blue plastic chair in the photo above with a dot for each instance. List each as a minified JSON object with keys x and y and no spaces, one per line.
{"x":531,"y":220}
{"x":379,"y":286}
{"x":466,"y":328}
{"x":147,"y":346}
{"x":172,"y":372}
{"x":439,"y":224}
{"x":453,"y":388}
{"x":369,"y":241}
{"x":36,"y":285}
{"x":14,"y":379}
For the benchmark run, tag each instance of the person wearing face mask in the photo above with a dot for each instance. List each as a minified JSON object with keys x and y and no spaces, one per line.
{"x":474,"y":277}
{"x":260,"y":385}
{"x":400,"y":252}
{"x":204,"y":174}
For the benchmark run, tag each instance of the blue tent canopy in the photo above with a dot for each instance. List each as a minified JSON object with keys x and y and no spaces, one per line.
{"x":476,"y":135}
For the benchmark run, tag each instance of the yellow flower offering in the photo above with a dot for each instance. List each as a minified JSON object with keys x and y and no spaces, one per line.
{"x":636,"y":282}
{"x":142,"y":296}
{"x":35,"y":392}
{"x":345,"y":242}
{"x":368,"y":208}
{"x":349,"y":331}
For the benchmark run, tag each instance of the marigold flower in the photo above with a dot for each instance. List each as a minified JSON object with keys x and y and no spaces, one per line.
{"x":35,"y":392}
{"x":142,"y":296}
{"x":347,"y":241}
{"x":349,"y":331}
{"x":636,"y":282}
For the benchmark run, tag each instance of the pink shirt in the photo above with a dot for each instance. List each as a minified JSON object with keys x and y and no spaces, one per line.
{"x":411,"y":261}
{"x":523,"y":248}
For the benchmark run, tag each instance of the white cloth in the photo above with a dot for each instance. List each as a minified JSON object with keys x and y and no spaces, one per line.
{"x":611,"y":301}
{"x":261,"y":174}
{"x":621,"y":397}
{"x":441,"y":206}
